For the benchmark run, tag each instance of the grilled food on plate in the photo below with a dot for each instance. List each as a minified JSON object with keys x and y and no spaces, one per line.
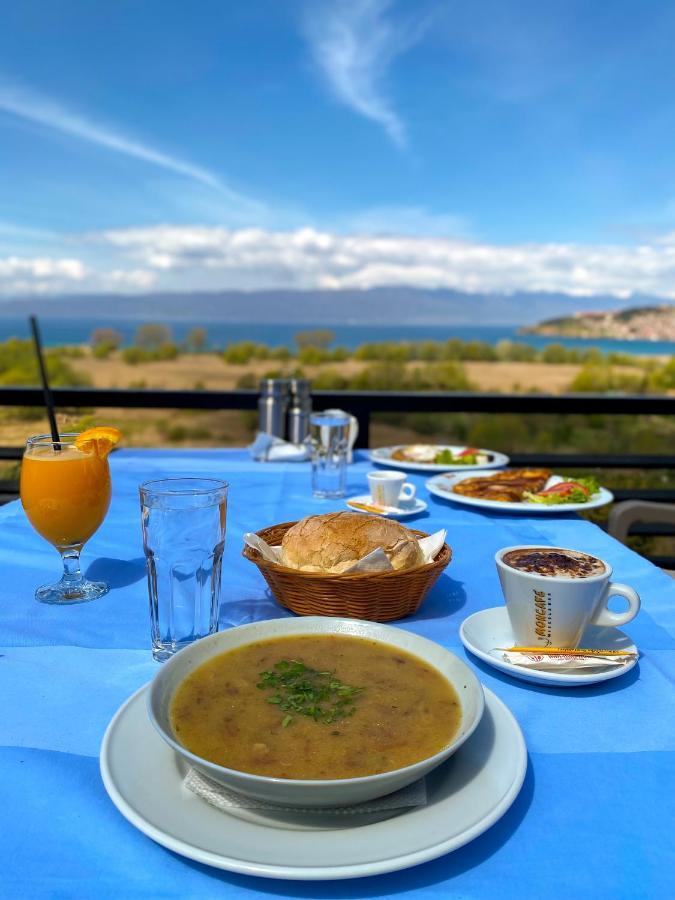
{"x":507,"y":487}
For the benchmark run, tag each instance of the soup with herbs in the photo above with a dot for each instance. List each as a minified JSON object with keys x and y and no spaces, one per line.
{"x":315,"y":707}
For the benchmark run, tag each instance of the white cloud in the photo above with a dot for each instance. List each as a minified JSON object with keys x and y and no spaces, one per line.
{"x":48,"y":275}
{"x":42,"y":267}
{"x":173,"y":257}
{"x":353,"y":44}
{"x":309,"y":258}
{"x":33,"y":107}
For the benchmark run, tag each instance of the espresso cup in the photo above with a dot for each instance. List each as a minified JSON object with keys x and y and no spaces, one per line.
{"x":391,"y":489}
{"x":553,"y":610}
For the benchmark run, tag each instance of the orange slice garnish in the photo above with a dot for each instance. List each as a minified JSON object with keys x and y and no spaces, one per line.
{"x":99,"y":440}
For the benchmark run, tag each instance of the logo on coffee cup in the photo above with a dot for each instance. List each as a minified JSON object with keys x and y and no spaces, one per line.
{"x":542,"y":616}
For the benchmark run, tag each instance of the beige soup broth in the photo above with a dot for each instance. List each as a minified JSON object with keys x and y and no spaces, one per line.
{"x":315,"y":706}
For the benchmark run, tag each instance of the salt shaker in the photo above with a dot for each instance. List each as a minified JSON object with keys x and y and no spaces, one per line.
{"x":272,"y":406}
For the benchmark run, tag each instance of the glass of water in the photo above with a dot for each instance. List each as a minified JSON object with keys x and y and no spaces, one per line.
{"x":329,"y":438}
{"x":183,"y":522}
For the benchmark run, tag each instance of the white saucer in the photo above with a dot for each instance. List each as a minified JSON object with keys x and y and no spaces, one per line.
{"x":394,"y":512}
{"x":491,"y":628}
{"x":466,"y":795}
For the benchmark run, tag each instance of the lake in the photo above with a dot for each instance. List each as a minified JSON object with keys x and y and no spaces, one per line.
{"x":220,"y":334}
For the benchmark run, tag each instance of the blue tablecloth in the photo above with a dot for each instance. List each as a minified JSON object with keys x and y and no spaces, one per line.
{"x":595,"y":815}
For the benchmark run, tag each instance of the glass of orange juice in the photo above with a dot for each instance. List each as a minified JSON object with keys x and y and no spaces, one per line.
{"x":65,"y":492}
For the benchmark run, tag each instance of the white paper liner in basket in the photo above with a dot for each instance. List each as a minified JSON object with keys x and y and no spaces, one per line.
{"x":375,"y":561}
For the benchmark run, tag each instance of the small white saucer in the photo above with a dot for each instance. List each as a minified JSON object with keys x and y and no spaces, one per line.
{"x":393,"y":512}
{"x":491,"y":628}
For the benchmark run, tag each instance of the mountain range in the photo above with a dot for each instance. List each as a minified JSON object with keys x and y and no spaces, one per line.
{"x":383,"y":305}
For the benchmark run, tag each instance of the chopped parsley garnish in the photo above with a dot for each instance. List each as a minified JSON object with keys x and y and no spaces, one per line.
{"x":300,"y":690}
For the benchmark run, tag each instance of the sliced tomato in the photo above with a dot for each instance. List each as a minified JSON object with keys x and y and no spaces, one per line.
{"x":468,"y":451}
{"x":564,"y":487}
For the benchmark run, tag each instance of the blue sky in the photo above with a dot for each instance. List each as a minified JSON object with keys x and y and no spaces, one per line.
{"x":497,"y":144}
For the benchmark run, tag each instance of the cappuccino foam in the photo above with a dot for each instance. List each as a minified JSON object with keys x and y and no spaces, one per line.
{"x":554,"y":562}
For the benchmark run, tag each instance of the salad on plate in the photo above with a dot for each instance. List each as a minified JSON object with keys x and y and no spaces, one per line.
{"x":441,"y":456}
{"x":578,"y":490}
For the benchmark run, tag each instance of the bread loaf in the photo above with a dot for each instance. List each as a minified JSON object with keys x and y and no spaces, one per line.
{"x":334,"y":542}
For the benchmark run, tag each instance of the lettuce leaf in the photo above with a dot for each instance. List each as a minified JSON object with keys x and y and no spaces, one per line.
{"x":576,"y":495}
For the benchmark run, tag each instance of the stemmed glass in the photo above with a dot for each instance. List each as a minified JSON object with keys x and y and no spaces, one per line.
{"x":65,"y":492}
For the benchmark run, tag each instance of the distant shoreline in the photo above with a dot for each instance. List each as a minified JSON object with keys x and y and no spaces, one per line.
{"x":653,"y":324}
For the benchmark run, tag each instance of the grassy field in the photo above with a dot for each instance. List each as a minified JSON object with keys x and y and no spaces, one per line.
{"x":206,"y":371}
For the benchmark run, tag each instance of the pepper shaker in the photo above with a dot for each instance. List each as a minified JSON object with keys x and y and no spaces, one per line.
{"x":299,"y":411}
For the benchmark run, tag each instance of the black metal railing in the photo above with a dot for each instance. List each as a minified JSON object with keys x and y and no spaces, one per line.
{"x":363,"y":404}
{"x":360,"y":403}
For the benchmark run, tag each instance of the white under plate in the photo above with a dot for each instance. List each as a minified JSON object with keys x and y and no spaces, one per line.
{"x":401,"y":512}
{"x":441,"y":486}
{"x":491,"y":628}
{"x":382,"y":456}
{"x":466,"y":795}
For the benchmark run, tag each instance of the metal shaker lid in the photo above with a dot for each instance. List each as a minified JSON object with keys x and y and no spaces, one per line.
{"x":299,"y":387}
{"x":274,"y":386}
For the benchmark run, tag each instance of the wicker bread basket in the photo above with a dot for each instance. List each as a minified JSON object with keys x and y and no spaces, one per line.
{"x":379,"y":597}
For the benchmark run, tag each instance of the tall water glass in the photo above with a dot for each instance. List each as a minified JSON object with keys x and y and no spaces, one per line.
{"x":183,"y":523}
{"x":328,"y":437}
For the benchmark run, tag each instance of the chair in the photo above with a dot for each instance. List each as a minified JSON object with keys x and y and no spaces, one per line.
{"x":624,"y":515}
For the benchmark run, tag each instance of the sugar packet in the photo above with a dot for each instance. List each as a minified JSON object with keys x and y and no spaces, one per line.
{"x":556,"y":658}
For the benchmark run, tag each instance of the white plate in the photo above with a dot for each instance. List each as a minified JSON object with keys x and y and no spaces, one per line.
{"x":382,"y":457}
{"x":466,"y":795}
{"x":491,"y":628}
{"x":417,"y":506}
{"x":441,"y":486}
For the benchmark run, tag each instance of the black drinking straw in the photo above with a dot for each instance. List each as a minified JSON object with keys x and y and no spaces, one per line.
{"x":49,"y":400}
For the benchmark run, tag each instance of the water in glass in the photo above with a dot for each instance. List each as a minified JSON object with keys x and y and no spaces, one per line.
{"x":328,"y":435}
{"x":183,"y":537}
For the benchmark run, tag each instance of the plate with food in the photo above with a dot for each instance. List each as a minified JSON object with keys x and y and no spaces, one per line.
{"x":281,"y":812}
{"x":437,"y":457}
{"x":520,"y":490}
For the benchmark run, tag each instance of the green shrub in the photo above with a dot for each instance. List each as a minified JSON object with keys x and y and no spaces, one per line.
{"x":167,"y":350}
{"x":243,"y":352}
{"x":152,"y":336}
{"x":134,"y":355}
{"x":330,"y":380}
{"x":313,"y":356}
{"x":664,"y":378}
{"x":109,"y":337}
{"x":601,"y":378}
{"x":247,"y":381}
{"x":103,"y":350}
{"x":320,"y":338}
{"x":18,"y":366}
{"x":389,"y":376}
{"x":196,"y":340}
{"x":515,"y":351}
{"x":556,"y":353}
{"x":388,"y":351}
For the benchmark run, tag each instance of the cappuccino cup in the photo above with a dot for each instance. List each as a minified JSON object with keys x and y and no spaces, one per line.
{"x":391,"y":489}
{"x":553,"y":594}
